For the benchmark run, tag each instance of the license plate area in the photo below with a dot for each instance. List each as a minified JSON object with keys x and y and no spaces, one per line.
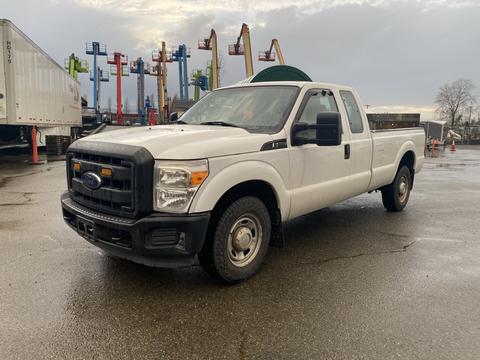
{"x":86,"y":228}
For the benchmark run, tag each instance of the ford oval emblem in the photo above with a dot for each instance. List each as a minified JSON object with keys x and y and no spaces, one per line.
{"x":91,"y":180}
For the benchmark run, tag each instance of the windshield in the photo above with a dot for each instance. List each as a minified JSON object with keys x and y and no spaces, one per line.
{"x":261,"y":109}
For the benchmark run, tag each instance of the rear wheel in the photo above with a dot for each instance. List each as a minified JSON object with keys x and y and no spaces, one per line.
{"x":240,"y":241}
{"x":395,"y":196}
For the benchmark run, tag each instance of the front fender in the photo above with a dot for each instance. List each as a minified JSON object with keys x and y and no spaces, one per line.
{"x":215,"y":186}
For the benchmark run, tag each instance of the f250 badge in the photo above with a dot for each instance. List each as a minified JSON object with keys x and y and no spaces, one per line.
{"x":91,"y":180}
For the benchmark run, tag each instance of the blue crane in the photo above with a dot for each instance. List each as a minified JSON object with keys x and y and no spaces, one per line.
{"x":97,"y":75}
{"x":180,"y":55}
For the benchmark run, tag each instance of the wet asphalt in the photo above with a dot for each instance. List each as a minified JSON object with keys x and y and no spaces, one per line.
{"x":352,"y":282}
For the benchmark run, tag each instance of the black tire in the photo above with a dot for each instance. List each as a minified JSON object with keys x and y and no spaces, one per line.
{"x":246,"y":223}
{"x":395,"y":196}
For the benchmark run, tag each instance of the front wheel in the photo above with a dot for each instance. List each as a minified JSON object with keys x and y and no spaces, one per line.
{"x":240,"y":241}
{"x":395,"y":196}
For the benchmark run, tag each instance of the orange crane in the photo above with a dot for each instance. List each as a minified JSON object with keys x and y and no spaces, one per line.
{"x":243,"y":49}
{"x":211,"y":44}
{"x":268,"y":55}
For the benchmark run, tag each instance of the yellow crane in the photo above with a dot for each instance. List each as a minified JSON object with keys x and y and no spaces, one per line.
{"x":161,"y":57}
{"x":243,"y":49}
{"x":268,"y":55}
{"x":211,"y":44}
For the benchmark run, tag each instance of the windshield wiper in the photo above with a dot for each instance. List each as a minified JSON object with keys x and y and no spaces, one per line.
{"x":179,"y":122}
{"x":218,"y":123}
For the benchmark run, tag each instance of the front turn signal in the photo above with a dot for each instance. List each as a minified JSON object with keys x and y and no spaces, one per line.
{"x":198,"y":177}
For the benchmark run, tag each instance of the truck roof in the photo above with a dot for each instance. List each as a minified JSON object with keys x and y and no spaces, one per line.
{"x":293,"y":83}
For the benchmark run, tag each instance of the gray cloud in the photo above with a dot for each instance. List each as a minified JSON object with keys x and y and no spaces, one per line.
{"x":396,"y":53}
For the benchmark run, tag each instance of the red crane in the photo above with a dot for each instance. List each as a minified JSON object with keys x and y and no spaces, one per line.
{"x":119,"y":60}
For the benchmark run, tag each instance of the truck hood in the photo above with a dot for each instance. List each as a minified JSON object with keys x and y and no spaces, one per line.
{"x":185,"y":142}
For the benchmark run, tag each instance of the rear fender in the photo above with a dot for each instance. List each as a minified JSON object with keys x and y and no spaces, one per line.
{"x":406,"y":147}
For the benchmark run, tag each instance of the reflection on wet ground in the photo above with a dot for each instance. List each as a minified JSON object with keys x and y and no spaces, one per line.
{"x":352,"y":282}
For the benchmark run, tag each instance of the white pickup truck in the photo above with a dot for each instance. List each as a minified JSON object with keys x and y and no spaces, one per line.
{"x":221,"y":180}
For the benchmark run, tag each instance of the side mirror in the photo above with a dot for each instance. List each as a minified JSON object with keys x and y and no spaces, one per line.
{"x":173,"y":117}
{"x":329,"y":129}
{"x":326,"y":132}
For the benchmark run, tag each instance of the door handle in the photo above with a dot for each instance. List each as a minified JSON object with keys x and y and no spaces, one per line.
{"x":347,"y":152}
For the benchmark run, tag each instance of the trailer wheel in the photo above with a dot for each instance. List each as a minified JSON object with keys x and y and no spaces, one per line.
{"x":240,"y":241}
{"x":395,"y":196}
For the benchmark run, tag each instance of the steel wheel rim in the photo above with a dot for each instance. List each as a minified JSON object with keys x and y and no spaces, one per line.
{"x":403,"y":189}
{"x":244,"y":240}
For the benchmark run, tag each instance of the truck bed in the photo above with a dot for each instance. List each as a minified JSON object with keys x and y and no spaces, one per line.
{"x":387,"y":146}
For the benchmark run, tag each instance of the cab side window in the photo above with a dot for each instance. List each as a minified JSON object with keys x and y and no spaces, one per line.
{"x":353,"y":112}
{"x":319,"y":101}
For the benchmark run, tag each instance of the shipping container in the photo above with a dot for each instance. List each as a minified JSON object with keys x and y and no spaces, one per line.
{"x":34,"y":89}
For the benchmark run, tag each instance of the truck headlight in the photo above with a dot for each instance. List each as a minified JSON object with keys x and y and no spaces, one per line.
{"x":176,"y":183}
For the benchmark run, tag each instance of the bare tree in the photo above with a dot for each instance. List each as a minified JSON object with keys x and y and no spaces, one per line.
{"x":452,"y":99}
{"x":476,"y":119}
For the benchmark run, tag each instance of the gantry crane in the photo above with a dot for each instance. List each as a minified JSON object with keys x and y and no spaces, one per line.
{"x":243,"y":49}
{"x":161,"y":57}
{"x":118,"y":68}
{"x":180,"y":55}
{"x":140,"y":68}
{"x":268,"y":55}
{"x":74,"y":66}
{"x":211,"y":44}
{"x":97,"y":75}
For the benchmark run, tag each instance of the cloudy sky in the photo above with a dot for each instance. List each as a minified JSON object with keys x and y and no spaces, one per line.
{"x":396,"y":53}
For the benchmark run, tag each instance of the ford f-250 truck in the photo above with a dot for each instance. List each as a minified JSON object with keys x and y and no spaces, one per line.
{"x":220,"y":182}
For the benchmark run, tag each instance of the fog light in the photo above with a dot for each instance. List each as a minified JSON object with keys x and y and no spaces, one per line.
{"x":106,"y":172}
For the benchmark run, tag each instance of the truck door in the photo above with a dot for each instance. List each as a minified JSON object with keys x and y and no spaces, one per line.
{"x":319,"y":174}
{"x":360,"y":146}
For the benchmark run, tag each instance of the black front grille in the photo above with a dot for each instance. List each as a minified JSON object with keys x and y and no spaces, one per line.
{"x":126,"y":192}
{"x":116,"y":192}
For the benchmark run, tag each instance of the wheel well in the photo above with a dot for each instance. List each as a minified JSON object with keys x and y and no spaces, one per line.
{"x":257,"y":188}
{"x":408,"y":160}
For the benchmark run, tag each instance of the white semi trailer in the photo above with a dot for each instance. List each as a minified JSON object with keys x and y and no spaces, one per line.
{"x":34,"y":91}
